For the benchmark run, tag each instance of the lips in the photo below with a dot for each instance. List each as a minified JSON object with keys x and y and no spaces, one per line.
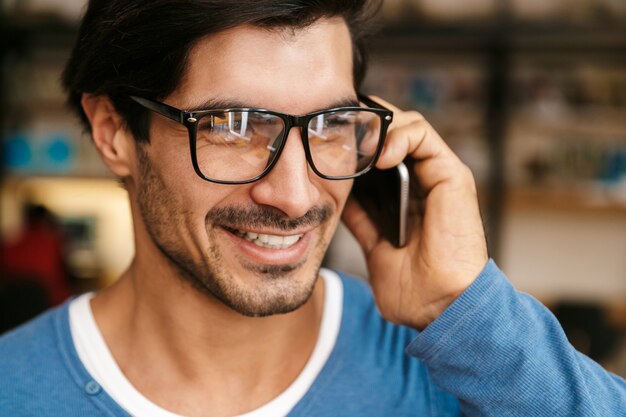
{"x":265,"y":236}
{"x":269,"y":248}
{"x":269,"y":241}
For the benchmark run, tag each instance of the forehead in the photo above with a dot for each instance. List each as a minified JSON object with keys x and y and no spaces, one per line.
{"x":283,"y":69}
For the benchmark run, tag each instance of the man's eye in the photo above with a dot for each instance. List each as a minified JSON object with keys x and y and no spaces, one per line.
{"x":211,"y":122}
{"x":341,"y":119}
{"x":340,"y":125}
{"x":338,"y":122}
{"x":222,"y":123}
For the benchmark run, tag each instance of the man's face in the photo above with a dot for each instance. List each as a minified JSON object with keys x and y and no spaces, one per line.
{"x":256,"y":247}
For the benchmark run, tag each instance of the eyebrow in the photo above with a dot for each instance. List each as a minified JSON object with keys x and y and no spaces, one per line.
{"x":222,"y":104}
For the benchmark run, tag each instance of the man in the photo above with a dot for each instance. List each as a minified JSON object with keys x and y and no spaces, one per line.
{"x":224,"y":310}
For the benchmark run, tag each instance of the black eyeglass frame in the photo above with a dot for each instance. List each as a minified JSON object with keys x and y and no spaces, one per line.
{"x":190,"y":120}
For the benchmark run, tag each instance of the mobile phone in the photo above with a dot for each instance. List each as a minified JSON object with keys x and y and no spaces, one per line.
{"x":384,"y":195}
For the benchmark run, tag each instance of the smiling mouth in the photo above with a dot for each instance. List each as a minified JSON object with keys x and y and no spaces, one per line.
{"x":268,"y":241}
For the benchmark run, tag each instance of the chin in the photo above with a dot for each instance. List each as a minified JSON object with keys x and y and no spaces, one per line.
{"x":256,"y":290}
{"x":268,"y":290}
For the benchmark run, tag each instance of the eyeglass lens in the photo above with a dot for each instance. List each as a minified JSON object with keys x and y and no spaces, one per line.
{"x":239,"y":145}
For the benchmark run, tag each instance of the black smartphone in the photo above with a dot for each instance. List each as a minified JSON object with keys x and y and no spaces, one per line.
{"x":384,"y":195}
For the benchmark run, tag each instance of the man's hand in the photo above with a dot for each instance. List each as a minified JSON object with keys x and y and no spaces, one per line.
{"x":446,"y":249}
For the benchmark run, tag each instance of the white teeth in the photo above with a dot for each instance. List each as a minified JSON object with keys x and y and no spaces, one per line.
{"x":290,"y":240}
{"x":270,"y":241}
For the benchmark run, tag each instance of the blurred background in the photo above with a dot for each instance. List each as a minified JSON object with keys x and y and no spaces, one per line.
{"x":531,"y":94}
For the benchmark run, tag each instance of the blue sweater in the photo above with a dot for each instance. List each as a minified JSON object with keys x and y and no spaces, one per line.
{"x":493,"y":352}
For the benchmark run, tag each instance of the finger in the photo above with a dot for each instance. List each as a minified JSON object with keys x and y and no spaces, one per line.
{"x":417,"y":139}
{"x":449,"y":169}
{"x":360,"y":225}
{"x":400,"y":117}
{"x":386,"y":104}
{"x":397,"y":144}
{"x":411,"y":135}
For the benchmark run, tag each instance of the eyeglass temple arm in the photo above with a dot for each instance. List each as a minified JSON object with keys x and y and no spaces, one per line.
{"x":161,"y":108}
{"x":365,"y":99}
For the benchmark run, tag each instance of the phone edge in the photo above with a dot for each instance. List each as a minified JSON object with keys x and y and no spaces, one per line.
{"x":403,"y":172}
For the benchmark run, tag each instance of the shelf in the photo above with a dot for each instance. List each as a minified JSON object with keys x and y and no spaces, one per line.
{"x":515,"y":36}
{"x":592,"y":122}
{"x":592,"y":199}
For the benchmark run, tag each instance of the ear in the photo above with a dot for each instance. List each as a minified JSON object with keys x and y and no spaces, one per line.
{"x":114,"y":142}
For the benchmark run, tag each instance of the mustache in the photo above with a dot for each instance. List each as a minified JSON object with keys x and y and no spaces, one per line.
{"x":238,"y":217}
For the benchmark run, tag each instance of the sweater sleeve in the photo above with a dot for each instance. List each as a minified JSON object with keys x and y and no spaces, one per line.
{"x":502,"y":353}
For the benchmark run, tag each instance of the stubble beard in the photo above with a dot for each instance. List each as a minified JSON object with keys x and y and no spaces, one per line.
{"x":278,"y":289}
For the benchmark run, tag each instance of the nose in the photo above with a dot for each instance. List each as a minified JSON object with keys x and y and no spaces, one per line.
{"x":290,"y":186}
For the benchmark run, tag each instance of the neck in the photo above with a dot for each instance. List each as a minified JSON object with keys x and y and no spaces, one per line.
{"x":157,"y":325}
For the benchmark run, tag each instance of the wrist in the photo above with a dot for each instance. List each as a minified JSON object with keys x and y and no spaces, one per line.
{"x":441,"y":296}
{"x":431,"y":312}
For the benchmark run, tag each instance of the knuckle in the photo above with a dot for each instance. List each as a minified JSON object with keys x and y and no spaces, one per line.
{"x":408,"y":118}
{"x":467,"y":177}
{"x":414,"y":115}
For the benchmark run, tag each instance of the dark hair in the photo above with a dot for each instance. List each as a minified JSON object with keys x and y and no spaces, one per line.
{"x":140,"y":47}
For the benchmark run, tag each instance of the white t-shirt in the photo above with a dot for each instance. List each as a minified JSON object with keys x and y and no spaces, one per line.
{"x":98,"y":360}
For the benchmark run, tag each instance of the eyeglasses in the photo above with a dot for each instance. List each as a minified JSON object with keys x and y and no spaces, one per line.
{"x":242,"y":145}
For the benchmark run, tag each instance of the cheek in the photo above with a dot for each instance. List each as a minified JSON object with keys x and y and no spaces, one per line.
{"x":339,"y":192}
{"x":169,"y":143}
{"x":174,"y":183}
{"x":171,"y":160}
